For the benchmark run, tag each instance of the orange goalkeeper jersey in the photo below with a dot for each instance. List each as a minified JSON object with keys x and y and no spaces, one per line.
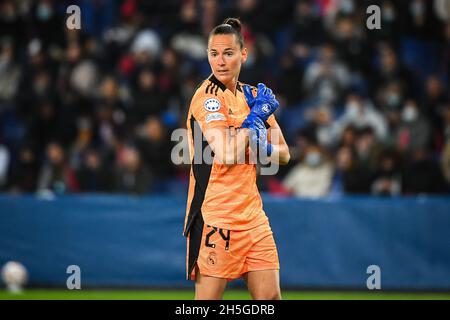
{"x":225,"y":195}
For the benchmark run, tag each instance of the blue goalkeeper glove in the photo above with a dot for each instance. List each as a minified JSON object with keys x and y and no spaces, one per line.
{"x":258,"y":138}
{"x":262,"y":106}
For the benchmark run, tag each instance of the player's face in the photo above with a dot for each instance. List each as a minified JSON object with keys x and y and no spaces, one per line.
{"x":225,"y":58}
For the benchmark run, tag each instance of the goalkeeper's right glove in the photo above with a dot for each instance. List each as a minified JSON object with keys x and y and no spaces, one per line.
{"x":258,"y":138}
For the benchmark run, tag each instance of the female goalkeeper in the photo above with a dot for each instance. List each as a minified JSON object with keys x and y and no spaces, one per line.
{"x":228,"y":233}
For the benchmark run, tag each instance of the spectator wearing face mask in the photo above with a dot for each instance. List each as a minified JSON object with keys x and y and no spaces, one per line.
{"x":310,"y":178}
{"x":360,"y":114}
{"x":414,"y":131}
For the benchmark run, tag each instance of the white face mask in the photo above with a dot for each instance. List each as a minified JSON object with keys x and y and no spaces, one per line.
{"x":44,"y":12}
{"x":313,"y":158}
{"x":352,"y":110}
{"x":409,"y":114}
{"x":347,"y":6}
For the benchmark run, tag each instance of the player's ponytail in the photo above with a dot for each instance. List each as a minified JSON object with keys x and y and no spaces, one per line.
{"x":230,"y":26}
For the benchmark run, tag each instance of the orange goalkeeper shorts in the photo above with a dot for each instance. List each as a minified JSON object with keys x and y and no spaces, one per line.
{"x":229,"y":253}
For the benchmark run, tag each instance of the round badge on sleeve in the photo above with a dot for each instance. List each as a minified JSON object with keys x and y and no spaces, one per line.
{"x":212,"y":104}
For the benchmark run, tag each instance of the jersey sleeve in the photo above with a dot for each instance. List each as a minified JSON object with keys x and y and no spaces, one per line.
{"x":209,"y":111}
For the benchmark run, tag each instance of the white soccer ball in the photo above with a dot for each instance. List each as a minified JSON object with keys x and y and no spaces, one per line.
{"x":14,"y":275}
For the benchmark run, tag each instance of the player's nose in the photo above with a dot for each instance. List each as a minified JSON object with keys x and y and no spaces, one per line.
{"x":221,"y":61}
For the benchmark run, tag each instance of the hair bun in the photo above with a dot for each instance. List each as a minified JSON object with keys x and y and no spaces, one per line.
{"x":234,"y":23}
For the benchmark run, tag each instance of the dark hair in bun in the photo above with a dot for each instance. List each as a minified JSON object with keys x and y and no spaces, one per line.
{"x":229,"y":26}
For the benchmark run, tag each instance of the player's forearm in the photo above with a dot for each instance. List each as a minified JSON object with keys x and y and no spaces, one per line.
{"x":236,"y":147}
{"x":280,"y":154}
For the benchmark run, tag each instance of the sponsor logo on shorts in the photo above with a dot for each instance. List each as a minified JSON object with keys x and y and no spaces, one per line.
{"x":212,"y":105}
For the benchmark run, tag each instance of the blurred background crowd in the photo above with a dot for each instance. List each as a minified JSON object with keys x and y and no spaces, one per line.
{"x":92,"y":110}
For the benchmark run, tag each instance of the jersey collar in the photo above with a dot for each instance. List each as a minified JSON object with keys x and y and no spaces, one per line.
{"x":217,"y":82}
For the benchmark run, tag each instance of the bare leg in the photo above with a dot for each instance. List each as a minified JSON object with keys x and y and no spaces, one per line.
{"x":209,"y":288}
{"x":264,"y":284}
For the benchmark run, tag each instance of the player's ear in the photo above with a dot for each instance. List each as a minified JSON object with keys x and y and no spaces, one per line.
{"x":244,"y":55}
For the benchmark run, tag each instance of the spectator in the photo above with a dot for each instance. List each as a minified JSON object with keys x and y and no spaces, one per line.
{"x":56,"y":175}
{"x":291,"y":75}
{"x":321,"y":125}
{"x":433,"y":104}
{"x":46,"y":124}
{"x":131,"y":174}
{"x":307,"y":29}
{"x":148,"y":98}
{"x":387,"y":179}
{"x":93,"y":175}
{"x":421,"y":175}
{"x":352,"y":92}
{"x":24,"y":174}
{"x":327,"y":78}
{"x":445,"y":162}
{"x":360,"y":113}
{"x":350,"y":177}
{"x":414,"y":131}
{"x":4,"y":165}
{"x":390,"y":70}
{"x":311,"y":177}
{"x":155,"y":147}
{"x":446,"y":121}
{"x":350,"y":43}
{"x":368,"y":149}
{"x":81,"y":143}
{"x":10,"y":73}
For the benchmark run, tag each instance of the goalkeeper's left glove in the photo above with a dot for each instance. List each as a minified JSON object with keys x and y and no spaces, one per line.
{"x":262,"y":106}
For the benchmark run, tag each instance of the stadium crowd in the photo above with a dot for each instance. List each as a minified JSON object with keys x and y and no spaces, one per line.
{"x":92,"y":110}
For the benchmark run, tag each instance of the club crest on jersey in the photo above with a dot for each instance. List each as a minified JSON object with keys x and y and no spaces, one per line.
{"x":212,"y":105}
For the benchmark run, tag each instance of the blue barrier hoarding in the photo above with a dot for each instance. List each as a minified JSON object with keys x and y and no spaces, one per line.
{"x":130,"y":241}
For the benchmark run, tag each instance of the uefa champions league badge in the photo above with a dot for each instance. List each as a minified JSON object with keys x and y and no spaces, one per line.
{"x":212,"y":105}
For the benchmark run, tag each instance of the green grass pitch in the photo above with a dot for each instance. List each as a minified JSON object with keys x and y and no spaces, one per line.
{"x":234,"y":294}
